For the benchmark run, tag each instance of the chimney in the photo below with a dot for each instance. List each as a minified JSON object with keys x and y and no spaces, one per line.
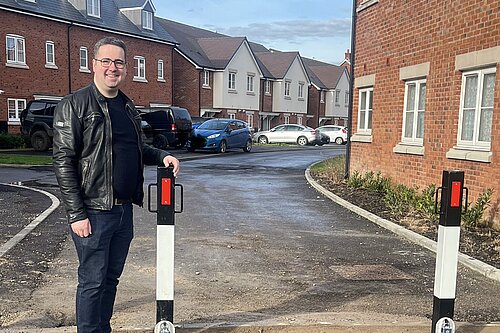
{"x":347,"y":55}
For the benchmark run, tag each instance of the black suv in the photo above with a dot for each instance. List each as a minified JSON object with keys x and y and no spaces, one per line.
{"x":168,"y":126}
{"x":36,"y":123}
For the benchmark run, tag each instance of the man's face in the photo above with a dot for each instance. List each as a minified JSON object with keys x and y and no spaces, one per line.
{"x":108,"y":80}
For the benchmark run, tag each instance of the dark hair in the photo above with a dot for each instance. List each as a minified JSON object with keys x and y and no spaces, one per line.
{"x":110,"y":41}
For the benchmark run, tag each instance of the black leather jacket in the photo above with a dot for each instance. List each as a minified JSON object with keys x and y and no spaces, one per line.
{"x":83,"y":152}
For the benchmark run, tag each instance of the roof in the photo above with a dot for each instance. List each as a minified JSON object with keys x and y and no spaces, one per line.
{"x":322,"y":74}
{"x":220,"y":50}
{"x":111,"y":17}
{"x":277,"y":63}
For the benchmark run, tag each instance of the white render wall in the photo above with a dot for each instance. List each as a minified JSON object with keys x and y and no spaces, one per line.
{"x":243,"y":64}
{"x":332,"y":110}
{"x":281,"y":104}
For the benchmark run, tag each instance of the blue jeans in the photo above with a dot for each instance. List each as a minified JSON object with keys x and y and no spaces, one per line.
{"x":102,"y":257}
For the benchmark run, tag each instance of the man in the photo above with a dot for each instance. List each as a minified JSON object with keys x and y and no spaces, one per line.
{"x":98,"y":159}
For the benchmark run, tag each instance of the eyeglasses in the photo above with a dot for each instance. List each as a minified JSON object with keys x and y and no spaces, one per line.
{"x":106,"y":62}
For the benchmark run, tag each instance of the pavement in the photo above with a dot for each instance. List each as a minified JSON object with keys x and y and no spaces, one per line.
{"x":340,"y":323}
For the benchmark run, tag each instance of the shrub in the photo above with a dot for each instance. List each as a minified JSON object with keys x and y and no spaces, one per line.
{"x":9,"y":141}
{"x":473,"y":216}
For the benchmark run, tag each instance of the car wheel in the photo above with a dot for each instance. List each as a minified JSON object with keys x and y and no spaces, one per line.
{"x":302,"y":141}
{"x":339,"y":141}
{"x":222,"y":146}
{"x":160,"y":141}
{"x":248,"y":146}
{"x":263,"y":140}
{"x":40,"y":141}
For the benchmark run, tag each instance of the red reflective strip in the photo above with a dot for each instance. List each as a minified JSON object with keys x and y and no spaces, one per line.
{"x":455,"y":194}
{"x":165,"y":191}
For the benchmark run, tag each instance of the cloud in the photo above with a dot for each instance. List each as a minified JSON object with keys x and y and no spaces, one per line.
{"x":291,"y":31}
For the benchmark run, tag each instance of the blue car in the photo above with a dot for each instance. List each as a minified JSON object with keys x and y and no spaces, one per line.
{"x":221,"y":134}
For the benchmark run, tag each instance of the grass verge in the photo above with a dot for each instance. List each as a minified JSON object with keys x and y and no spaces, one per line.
{"x":25,"y":159}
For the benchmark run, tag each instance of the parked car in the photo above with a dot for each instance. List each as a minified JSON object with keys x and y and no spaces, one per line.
{"x":221,"y":134}
{"x":36,"y":123}
{"x":197,"y":121}
{"x":289,"y":133}
{"x":337,"y":134}
{"x":168,"y":126}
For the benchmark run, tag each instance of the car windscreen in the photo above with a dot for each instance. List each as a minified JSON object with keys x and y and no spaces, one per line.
{"x":216,"y":125}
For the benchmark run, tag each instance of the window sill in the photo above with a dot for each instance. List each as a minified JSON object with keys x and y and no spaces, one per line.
{"x":231,"y":91}
{"x":361,"y":137}
{"x":469,"y":155}
{"x":301,"y":98}
{"x":17,"y":65}
{"x":84,"y":70}
{"x":366,"y":4}
{"x":251,"y":93}
{"x":51,"y":66}
{"x":288,"y":97}
{"x":15,"y":122}
{"x":140,"y":79}
{"x":161,"y":80}
{"x":323,"y":102}
{"x":206,"y":87}
{"x":402,"y":148}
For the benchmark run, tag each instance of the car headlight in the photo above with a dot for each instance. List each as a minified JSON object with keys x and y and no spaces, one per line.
{"x":213,"y":136}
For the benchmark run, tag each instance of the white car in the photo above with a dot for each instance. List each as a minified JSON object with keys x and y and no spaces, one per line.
{"x":337,"y":134}
{"x":289,"y":133}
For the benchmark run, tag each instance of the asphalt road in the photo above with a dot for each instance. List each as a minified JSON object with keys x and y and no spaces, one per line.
{"x":256,"y":245}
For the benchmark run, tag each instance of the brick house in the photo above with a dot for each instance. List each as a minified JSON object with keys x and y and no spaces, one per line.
{"x":328,"y":93}
{"x":49,"y":49}
{"x":427,"y":92}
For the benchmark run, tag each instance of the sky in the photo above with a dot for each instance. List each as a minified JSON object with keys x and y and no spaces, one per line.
{"x":318,"y":29}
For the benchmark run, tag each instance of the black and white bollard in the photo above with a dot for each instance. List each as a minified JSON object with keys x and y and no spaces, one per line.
{"x":165,"y":247}
{"x":447,"y":251}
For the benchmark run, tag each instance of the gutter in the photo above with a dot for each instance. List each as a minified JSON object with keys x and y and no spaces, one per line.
{"x":351,"y":92}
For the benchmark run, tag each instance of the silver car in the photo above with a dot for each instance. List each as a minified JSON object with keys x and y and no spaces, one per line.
{"x":337,"y":134}
{"x":289,"y":133}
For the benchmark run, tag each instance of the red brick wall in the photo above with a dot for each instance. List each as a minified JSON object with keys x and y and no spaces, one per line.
{"x":187,"y":85}
{"x":24,"y":83}
{"x":395,"y":33}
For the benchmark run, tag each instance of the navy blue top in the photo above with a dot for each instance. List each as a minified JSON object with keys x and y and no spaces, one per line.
{"x":125,"y":150}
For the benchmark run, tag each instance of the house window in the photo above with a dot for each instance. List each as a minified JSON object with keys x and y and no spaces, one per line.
{"x":413,"y":117}
{"x":267,"y":87}
{"x":365,"y":110}
{"x":250,"y":83}
{"x":287,"y":88}
{"x":301,"y":90}
{"x":94,"y":8}
{"x":231,"y":115}
{"x":147,"y":20}
{"x":299,"y":120}
{"x":287,"y":119}
{"x":476,"y":108}
{"x":322,"y":96}
{"x":139,"y":68}
{"x":15,"y":106}
{"x":337,"y":97}
{"x":15,"y":50}
{"x":84,"y":59}
{"x":160,"y":70}
{"x":206,"y":78}
{"x":346,"y":99}
{"x":232,"y":81}
{"x":250,"y":120}
{"x":50,"y":58}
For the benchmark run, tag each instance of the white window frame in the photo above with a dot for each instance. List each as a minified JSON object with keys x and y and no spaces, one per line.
{"x":475,"y":143}
{"x":139,"y":68}
{"x":415,"y":111}
{"x":94,"y":8}
{"x":250,"y":120}
{"x":50,"y":53}
{"x":267,"y":87}
{"x":288,"y":84}
{"x":19,"y":55}
{"x":368,"y":112}
{"x":300,"y":92}
{"x":299,"y":120}
{"x":161,"y":71}
{"x":19,"y":105}
{"x":147,"y":20}
{"x":286,"y":119}
{"x":250,"y":81}
{"x":232,"y":81}
{"x":322,"y":96}
{"x":346,"y":98}
{"x":84,"y":59}
{"x":206,"y":78}
{"x":337,"y":97}
{"x":231,"y":115}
